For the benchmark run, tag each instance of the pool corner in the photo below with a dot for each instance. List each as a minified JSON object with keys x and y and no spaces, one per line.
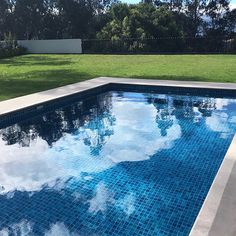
{"x":217,"y":216}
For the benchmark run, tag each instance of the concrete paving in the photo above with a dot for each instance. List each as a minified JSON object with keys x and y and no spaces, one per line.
{"x":45,"y":96}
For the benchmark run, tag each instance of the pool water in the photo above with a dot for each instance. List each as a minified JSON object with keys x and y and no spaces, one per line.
{"x":118,"y":163}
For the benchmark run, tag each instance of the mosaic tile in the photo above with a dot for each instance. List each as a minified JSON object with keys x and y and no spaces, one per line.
{"x":116,"y":163}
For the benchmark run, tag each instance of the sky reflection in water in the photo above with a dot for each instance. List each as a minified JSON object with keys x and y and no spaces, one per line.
{"x":113,"y":164}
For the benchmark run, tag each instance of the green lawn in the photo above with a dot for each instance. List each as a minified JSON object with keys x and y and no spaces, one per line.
{"x":31,"y":73}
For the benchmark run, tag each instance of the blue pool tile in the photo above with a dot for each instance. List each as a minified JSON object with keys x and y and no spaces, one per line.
{"x":116,"y":163}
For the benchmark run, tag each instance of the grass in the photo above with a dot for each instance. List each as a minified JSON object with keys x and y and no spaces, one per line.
{"x":32,"y":73}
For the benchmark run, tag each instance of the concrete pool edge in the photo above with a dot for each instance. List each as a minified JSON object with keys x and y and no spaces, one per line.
{"x":35,"y":99}
{"x":220,"y":189}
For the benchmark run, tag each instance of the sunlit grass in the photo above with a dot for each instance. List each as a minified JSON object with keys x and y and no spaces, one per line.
{"x":31,"y":73}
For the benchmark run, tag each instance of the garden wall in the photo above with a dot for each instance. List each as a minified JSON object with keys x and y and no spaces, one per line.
{"x":52,"y":46}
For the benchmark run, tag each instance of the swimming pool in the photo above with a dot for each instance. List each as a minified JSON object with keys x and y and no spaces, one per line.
{"x":115,"y":163}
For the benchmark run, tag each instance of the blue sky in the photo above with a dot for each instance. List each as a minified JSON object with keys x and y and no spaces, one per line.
{"x":130,"y":1}
{"x":233,"y":2}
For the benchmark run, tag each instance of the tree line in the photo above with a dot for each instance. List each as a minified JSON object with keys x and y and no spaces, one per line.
{"x":116,"y":21}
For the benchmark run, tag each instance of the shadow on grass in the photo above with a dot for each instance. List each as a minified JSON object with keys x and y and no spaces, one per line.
{"x":40,"y":80}
{"x":36,"y":81}
{"x":29,"y":60}
{"x":44,"y":80}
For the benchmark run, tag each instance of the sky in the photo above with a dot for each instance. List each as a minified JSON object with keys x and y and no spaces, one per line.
{"x":232,"y":4}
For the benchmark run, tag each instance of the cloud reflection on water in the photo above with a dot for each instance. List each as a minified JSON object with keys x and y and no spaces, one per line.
{"x":135,"y":127}
{"x":67,"y":154}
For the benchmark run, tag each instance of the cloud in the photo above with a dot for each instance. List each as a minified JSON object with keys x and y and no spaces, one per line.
{"x":101,"y":199}
{"x":232,"y":5}
{"x":104,"y":198}
{"x":136,"y":138}
{"x":59,"y":229}
{"x":221,"y":120}
{"x":22,"y":228}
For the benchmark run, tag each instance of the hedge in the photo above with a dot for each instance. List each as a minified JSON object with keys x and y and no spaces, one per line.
{"x":11,"y":52}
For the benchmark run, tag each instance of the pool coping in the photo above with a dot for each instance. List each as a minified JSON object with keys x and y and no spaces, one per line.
{"x":217,"y":216}
{"x":22,"y":102}
{"x":219,"y":206}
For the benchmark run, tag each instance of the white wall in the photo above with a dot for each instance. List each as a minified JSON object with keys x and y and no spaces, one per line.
{"x":52,"y":46}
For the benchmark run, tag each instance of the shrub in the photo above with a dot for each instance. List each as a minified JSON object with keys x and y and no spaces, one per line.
{"x":10,"y":48}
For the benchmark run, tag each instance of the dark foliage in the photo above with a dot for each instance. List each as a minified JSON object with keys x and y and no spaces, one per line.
{"x":9,"y":48}
{"x":5,"y":52}
{"x":150,"y":26}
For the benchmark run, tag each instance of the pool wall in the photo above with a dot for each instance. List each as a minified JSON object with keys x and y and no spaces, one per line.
{"x":218,"y":213}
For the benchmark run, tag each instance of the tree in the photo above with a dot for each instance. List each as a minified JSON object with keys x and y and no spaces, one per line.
{"x":140,"y":21}
{"x":231,"y":22}
{"x":3,"y":17}
{"x":217,"y":10}
{"x":195,"y":12}
{"x":28,"y":17}
{"x":147,"y":26}
{"x":136,"y":27}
